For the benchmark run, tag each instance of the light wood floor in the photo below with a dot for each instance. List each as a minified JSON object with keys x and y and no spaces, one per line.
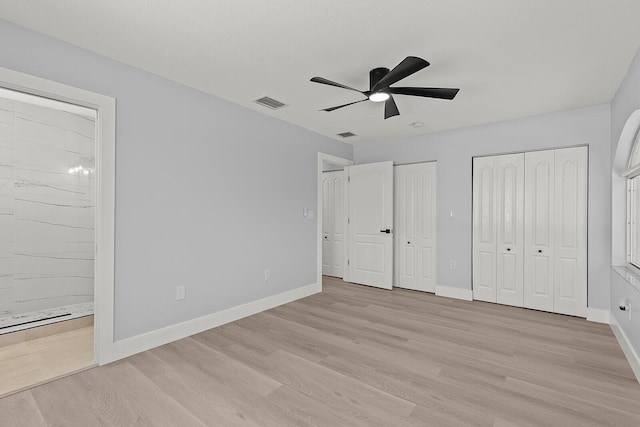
{"x":358,"y":356}
{"x":38,"y":355}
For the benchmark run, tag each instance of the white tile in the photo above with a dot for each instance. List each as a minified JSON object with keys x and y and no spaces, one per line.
{"x":46,"y":213}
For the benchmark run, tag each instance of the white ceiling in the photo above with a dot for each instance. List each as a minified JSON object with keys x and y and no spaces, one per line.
{"x":510,"y":58}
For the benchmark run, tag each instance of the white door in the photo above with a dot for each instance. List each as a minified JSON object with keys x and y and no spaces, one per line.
{"x":510,"y":228}
{"x":539,"y":232}
{"x":426,"y":242}
{"x":406,"y":181}
{"x":370,"y":224}
{"x":333,"y":219}
{"x":570,"y":279}
{"x":415,"y":234}
{"x":484,"y":229}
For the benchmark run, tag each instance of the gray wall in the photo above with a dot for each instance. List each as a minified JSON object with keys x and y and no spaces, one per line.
{"x":626,"y":101}
{"x":454,"y":151}
{"x":208,"y":193}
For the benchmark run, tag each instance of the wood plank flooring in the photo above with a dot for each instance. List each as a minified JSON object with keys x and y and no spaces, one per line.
{"x":357,"y":356}
{"x":36,"y":358}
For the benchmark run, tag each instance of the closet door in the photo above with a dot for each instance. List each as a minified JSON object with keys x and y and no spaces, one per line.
{"x":406,"y":181}
{"x":484,"y":229}
{"x":333,"y":224}
{"x":539,"y":232}
{"x":570,"y":279}
{"x":415,"y":191}
{"x":327,"y":223}
{"x":426,"y":226}
{"x":510,"y":228}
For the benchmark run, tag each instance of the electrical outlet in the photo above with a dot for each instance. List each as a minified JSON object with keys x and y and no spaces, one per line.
{"x":180,"y":293}
{"x":452,"y":265}
{"x":267,"y":274}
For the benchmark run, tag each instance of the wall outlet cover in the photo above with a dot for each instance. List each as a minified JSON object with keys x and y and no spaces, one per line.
{"x":180,"y":293}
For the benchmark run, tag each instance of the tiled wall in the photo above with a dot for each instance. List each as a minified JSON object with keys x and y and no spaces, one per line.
{"x":47,"y":200}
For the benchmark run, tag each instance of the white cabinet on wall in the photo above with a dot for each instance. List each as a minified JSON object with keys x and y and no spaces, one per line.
{"x":333,"y":218}
{"x":415,"y":226}
{"x":530,"y":230}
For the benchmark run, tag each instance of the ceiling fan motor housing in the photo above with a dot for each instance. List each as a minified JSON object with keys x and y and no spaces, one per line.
{"x":375,"y":75}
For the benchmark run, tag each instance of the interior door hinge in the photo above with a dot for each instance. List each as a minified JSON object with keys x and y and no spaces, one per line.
{"x":348,"y":220}
{"x":348,"y":262}
{"x":348,"y":179}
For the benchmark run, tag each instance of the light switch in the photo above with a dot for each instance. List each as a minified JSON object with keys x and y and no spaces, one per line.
{"x":310,"y":214}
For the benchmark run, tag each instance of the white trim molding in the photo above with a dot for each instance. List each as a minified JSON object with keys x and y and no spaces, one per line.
{"x":627,"y":348}
{"x":105,"y":108}
{"x":130,"y":346}
{"x":598,"y":315}
{"x":457,"y":293}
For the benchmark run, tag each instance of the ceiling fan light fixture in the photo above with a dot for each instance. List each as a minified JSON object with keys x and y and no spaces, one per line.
{"x":379,"y":96}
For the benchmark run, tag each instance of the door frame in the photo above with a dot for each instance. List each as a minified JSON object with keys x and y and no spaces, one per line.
{"x":338,"y":161}
{"x":104,"y":245}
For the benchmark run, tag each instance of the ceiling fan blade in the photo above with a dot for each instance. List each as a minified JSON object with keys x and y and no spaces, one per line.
{"x":344,"y":105}
{"x":428,"y":92}
{"x":324,"y":81}
{"x":390,"y":108}
{"x":408,"y":66}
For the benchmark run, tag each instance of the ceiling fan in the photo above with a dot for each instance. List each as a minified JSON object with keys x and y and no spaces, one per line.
{"x":380,"y":81}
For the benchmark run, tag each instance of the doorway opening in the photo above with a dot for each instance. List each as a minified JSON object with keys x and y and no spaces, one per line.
{"x":327,"y":162}
{"x":57,"y":170}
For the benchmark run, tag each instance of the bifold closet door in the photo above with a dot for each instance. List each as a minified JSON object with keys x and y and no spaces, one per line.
{"x":333,"y":218}
{"x":530,"y":230}
{"x":415,"y":226}
{"x":498,"y":202}
{"x":510,"y":228}
{"x":484,"y":229}
{"x":555,"y":268}
{"x":539,"y":230}
{"x":570,"y":278}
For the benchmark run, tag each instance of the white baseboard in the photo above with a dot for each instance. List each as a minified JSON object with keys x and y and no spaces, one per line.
{"x":457,"y":293}
{"x":598,"y":315}
{"x":627,"y":349}
{"x":149,"y":340}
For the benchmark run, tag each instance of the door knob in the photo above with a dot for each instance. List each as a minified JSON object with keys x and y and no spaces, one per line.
{"x":408,"y":243}
{"x":539,"y":251}
{"x":386,"y":230}
{"x":508,"y":249}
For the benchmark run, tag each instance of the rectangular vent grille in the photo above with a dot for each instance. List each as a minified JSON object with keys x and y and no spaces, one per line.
{"x":346,"y":134}
{"x":268,"y":102}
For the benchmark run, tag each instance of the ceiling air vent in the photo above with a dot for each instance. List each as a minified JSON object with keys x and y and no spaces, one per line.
{"x":268,"y":102}
{"x":346,"y":134}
